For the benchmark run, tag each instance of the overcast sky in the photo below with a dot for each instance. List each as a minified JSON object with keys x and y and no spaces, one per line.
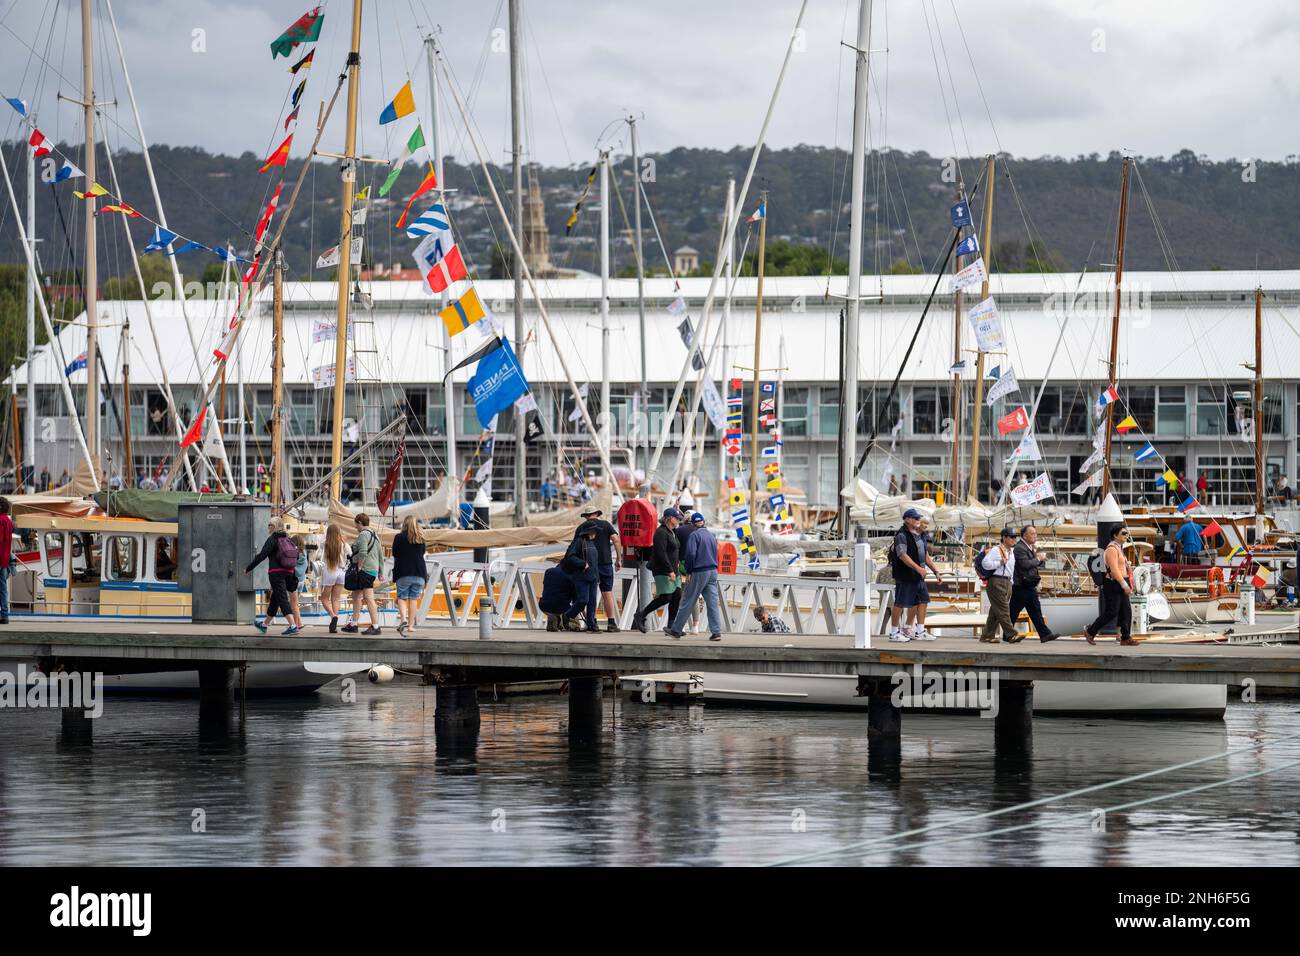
{"x":1061,"y":77}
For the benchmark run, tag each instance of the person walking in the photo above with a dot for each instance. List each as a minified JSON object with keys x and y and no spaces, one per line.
{"x":281,"y":555}
{"x":1115,"y":591}
{"x":557,"y":596}
{"x":299,"y":579}
{"x":1189,"y":541}
{"x":410,"y":573}
{"x":582,"y":562}
{"x":329,"y":572}
{"x":363,"y":568}
{"x":665,"y":561}
{"x":607,"y":552}
{"x":909,"y":558}
{"x":701,"y":562}
{"x":1025,"y":581}
{"x":684,"y":531}
{"x":7,"y":559}
{"x":1000,"y":564}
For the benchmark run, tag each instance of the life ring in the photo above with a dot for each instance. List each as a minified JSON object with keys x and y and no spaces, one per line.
{"x":1214,"y":580}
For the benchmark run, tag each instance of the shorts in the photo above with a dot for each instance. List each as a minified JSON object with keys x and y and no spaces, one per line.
{"x":665,"y":584}
{"x":330,"y":578}
{"x":607,"y":577}
{"x":911,"y":593}
{"x":409,"y":586}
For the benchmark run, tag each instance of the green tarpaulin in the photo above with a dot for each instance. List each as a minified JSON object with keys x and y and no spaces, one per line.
{"x":150,"y":505}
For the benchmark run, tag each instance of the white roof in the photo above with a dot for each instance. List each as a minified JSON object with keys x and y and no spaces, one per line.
{"x":1190,"y":327}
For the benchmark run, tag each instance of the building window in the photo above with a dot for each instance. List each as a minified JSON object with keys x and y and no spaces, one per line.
{"x":1140,"y":402}
{"x":794,"y":471}
{"x":1171,"y":410}
{"x":794,"y":414}
{"x":929,"y":473}
{"x":931,"y":409}
{"x":828,"y":410}
{"x":1211,"y":410}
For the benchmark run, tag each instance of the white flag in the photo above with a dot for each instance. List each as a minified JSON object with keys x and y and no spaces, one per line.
{"x":677,"y":307}
{"x":1092,"y":481}
{"x":713,"y":405}
{"x":1099,"y":439}
{"x":1027,"y":450}
{"x":484,"y":473}
{"x":1031,"y":491}
{"x":1003,"y":386}
{"x":526,"y":403}
{"x":987,"y":323}
{"x":576,"y":414}
{"x":1092,"y":460}
{"x":359,"y":215}
{"x":323,"y":330}
{"x":323,"y":376}
{"x":330,"y":257}
{"x":973,"y":273}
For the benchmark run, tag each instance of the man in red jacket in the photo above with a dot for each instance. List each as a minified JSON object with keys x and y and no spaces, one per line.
{"x":6,"y":557}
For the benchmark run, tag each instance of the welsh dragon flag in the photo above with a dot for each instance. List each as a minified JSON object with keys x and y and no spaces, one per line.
{"x":306,"y":29}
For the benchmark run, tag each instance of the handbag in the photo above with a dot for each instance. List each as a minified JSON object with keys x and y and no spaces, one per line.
{"x":355,"y":579}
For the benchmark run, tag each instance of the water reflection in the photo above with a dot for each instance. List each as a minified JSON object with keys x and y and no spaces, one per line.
{"x":329,"y":780}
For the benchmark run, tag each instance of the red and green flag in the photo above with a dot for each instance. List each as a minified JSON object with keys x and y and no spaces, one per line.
{"x":306,"y":29}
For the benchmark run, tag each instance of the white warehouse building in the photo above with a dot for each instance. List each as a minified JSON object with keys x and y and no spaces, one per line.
{"x":1186,"y":352}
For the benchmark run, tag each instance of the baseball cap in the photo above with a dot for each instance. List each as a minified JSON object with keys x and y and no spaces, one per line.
{"x":911,"y":513}
{"x":696,"y":516}
{"x":1009,"y":533}
{"x":673,"y":513}
{"x":589,"y":513}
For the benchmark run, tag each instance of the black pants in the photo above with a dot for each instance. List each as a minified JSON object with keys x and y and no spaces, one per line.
{"x":671,"y":601}
{"x":584,"y":600}
{"x":1024,"y":597}
{"x":1114,"y":605}
{"x":281,"y":581}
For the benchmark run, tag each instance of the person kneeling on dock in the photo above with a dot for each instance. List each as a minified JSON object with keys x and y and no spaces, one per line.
{"x":557,"y":595}
{"x":1115,"y":591}
{"x":281,"y":555}
{"x":582,"y":561}
{"x":1000,"y":563}
{"x":770,"y":623}
{"x":664,"y":558}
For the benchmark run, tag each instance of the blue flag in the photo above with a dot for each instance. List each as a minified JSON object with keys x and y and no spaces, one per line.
{"x":1142,"y":454}
{"x":960,"y":215}
{"x":162,"y":238}
{"x":496,"y":383}
{"x":190,"y":246}
{"x":968,"y":246}
{"x":76,"y":363}
{"x":17,"y":104}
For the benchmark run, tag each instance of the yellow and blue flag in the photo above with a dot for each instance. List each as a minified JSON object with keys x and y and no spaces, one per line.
{"x":463,"y":313}
{"x":403,"y":105}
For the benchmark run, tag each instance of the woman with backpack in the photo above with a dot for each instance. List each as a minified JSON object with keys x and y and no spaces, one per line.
{"x":363,"y":568}
{"x":409,"y":573}
{"x":330,"y":574}
{"x":281,"y":555}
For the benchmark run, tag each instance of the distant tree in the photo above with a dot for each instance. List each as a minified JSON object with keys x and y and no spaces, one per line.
{"x":901,"y":267}
{"x":788,"y":259}
{"x":153,"y":269}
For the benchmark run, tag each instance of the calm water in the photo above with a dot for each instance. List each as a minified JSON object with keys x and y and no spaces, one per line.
{"x":320,"y":781}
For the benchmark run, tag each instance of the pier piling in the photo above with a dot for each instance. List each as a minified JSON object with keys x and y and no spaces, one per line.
{"x":585,"y":708}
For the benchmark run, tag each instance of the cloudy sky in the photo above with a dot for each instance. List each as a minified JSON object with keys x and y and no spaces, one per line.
{"x":1060,"y":77}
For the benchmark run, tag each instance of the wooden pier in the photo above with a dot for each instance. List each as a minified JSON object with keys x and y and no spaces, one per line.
{"x":457,"y":660}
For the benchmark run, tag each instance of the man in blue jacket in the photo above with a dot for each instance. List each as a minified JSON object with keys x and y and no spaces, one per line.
{"x":700,"y":559}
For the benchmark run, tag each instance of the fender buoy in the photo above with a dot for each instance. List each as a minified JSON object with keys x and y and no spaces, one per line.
{"x":1215,"y":581}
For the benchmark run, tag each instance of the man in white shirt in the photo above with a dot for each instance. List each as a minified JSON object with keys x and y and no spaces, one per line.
{"x":1000,"y":563}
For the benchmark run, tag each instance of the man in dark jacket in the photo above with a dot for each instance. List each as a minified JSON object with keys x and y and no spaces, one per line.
{"x":582,"y":561}
{"x":283,"y":579}
{"x":557,"y":595}
{"x":701,"y":562}
{"x":1024,"y":583}
{"x":665,"y":557}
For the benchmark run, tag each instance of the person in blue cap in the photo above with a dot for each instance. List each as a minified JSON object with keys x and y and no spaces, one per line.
{"x":1190,"y":542}
{"x":701,"y":562}
{"x":908,"y":559}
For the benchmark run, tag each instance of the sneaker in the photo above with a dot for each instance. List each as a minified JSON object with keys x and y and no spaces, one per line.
{"x":401,"y":628}
{"x":638,"y":624}
{"x":676,"y":635}
{"x":612,"y":627}
{"x":908,"y":630}
{"x":715,"y":637}
{"x":349,"y":628}
{"x":921,"y":634}
{"x":371,"y":631}
{"x":334,"y":625}
{"x":898,"y":637}
{"x":551,"y":625}
{"x":261,"y":627}
{"x":290,"y":631}
{"x":1044,"y":638}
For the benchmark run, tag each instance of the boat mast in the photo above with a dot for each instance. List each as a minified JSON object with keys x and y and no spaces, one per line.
{"x":128,"y":463}
{"x":349,"y":177}
{"x":640,"y":284}
{"x":517,"y":158}
{"x":435,"y":143}
{"x":31,"y":318}
{"x":730,"y":246}
{"x":958,"y":393}
{"x":977,"y":406}
{"x":603,"y":162}
{"x":1114,"y":322}
{"x":277,"y":383}
{"x":92,"y":271}
{"x":758,"y":347}
{"x":849,"y":353}
{"x":1259,"y":405}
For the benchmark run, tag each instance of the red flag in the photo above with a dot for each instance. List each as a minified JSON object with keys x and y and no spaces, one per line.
{"x":266,"y":216}
{"x":196,"y":430}
{"x":280,"y":157}
{"x":1013,"y":422}
{"x":37,"y":143}
{"x":1212,"y":529}
{"x":450,"y":268}
{"x":430,"y":181}
{"x":390,"y":479}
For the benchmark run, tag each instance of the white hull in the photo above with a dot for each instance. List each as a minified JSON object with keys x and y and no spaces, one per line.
{"x":262,"y":679}
{"x":1050,"y":697}
{"x":1071,"y":614}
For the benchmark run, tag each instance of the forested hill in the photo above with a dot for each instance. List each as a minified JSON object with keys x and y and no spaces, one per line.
{"x":1214,"y":215}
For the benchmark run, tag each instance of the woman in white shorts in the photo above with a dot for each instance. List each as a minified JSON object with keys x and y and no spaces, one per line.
{"x":330,"y":574}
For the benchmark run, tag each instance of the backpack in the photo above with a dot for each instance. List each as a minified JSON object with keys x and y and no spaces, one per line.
{"x":1097,"y":566}
{"x":286,"y":554}
{"x":983,"y":572}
